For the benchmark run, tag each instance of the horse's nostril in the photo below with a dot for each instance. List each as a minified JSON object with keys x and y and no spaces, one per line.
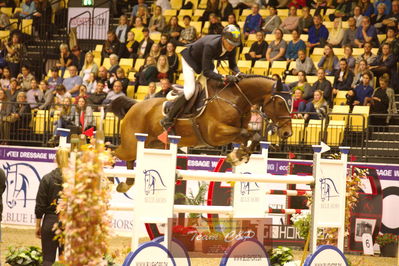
{"x":286,"y":134}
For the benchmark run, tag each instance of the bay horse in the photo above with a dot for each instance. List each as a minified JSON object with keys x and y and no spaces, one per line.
{"x":224,"y":120}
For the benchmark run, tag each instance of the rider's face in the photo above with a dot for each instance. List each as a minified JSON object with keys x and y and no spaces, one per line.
{"x":229,"y":47}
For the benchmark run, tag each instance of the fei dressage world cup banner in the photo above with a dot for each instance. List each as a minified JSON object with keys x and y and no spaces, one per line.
{"x":25,"y":167}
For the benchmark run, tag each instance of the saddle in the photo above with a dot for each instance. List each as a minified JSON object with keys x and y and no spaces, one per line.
{"x":195,"y":106}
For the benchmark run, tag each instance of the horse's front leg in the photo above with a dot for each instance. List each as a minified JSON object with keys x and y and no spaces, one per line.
{"x":243,"y":153}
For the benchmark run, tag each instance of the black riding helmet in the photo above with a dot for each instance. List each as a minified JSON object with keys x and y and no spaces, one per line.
{"x":232,"y":34}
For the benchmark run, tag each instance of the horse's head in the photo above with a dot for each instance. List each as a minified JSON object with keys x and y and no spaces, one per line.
{"x":276,"y":109}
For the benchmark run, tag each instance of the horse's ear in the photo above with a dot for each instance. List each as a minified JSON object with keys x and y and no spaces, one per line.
{"x":279,"y":85}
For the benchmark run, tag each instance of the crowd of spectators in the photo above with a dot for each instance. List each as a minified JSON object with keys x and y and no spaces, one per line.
{"x":78,"y":79}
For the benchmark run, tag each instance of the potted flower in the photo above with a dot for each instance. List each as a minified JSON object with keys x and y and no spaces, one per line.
{"x":186,"y":235}
{"x":31,"y":256}
{"x":388,"y":244}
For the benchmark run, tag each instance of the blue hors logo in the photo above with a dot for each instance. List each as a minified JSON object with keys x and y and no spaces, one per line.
{"x":17,"y":183}
{"x":328,"y":189}
{"x":247,"y":187}
{"x":153,"y":182}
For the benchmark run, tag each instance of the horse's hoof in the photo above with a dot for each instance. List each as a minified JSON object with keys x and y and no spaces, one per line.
{"x":232,"y":159}
{"x":123,"y":187}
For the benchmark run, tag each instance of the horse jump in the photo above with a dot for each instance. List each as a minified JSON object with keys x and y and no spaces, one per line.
{"x":155,"y":175}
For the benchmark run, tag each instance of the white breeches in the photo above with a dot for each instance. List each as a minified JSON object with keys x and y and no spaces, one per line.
{"x":189,"y":80}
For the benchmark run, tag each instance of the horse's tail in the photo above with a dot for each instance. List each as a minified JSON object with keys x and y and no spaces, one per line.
{"x":121,"y":105}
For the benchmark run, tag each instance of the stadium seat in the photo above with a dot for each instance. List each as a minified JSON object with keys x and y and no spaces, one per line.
{"x":223,"y":68}
{"x":340,"y":98}
{"x":313,"y":132}
{"x":14,"y":24}
{"x":298,"y":126}
{"x":27,"y":26}
{"x":340,"y":113}
{"x":245,"y":13}
{"x":205,"y":28}
{"x":185,"y":12}
{"x":244,"y":51}
{"x":156,"y":36}
{"x":111,"y":124}
{"x":244,"y":66}
{"x":330,"y":79}
{"x":4,"y":34}
{"x":179,"y":49}
{"x":7,"y":11}
{"x":107,"y":63}
{"x":260,"y":68}
{"x":99,"y":48}
{"x":287,"y":37}
{"x":264,"y":12}
{"x":141,"y":92}
{"x":290,"y":78}
{"x":304,"y":37}
{"x":335,"y":132}
{"x":131,"y":76}
{"x":168,"y":13}
{"x":139,"y":62}
{"x":311,"y":79}
{"x":357,"y":51}
{"x":269,"y":38}
{"x":126,"y":64}
{"x":381,"y":37}
{"x":339,"y":52}
{"x":197,"y":25}
{"x":175,"y":4}
{"x":278,"y":67}
{"x":130,"y":91}
{"x":197,"y":14}
{"x":39,"y":121}
{"x":359,"y":119}
{"x":251,"y":39}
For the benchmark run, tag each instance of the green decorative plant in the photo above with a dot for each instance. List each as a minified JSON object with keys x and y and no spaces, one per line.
{"x":301,"y":222}
{"x":31,"y":256}
{"x":191,"y":199}
{"x":280,"y":256}
{"x":385,"y":239}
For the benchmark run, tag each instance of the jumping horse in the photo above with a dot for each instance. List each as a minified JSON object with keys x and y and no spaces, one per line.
{"x":224,"y":120}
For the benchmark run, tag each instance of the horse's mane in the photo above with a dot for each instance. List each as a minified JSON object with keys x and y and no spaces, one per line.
{"x":249,"y":76}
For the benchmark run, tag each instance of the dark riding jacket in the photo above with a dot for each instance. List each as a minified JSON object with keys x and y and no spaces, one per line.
{"x":201,"y":54}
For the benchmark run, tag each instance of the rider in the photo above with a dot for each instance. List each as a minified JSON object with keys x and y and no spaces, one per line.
{"x":198,"y":58}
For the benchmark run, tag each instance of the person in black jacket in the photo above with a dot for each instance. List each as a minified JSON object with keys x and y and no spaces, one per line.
{"x":324,"y":85}
{"x":198,"y":58}
{"x":225,"y":9}
{"x":258,"y":48}
{"x":111,"y":45}
{"x":46,"y":204}
{"x":145,"y":45}
{"x":99,"y":96}
{"x":343,"y":78}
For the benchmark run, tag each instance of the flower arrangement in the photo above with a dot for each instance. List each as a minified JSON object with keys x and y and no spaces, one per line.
{"x":385,"y":239}
{"x":301,"y":222}
{"x":83,"y":208}
{"x":280,"y":256}
{"x":31,"y":256}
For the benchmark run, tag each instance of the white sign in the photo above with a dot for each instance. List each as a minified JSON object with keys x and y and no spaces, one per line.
{"x":368,"y":247}
{"x":81,"y":17}
{"x":150,"y":253}
{"x":326,"y":255}
{"x":246,"y":252}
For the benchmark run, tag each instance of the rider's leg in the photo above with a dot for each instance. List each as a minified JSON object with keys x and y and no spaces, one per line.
{"x":189,"y":88}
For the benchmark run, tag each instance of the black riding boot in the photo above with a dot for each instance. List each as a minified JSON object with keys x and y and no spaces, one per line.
{"x":169,"y":120}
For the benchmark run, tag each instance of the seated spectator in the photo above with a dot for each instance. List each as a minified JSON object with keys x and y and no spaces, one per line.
{"x":147,"y":73}
{"x":342,"y":10}
{"x":367,"y":9}
{"x":66,"y":58}
{"x":336,"y":34}
{"x":272,"y":21}
{"x":111,"y":45}
{"x":321,"y":5}
{"x":358,"y":95}
{"x":82,"y":93}
{"x":189,"y":33}
{"x":103,"y":77}
{"x":305,"y":21}
{"x":318,"y":105}
{"x":115,"y":93}
{"x":244,"y":4}
{"x":120,"y":76}
{"x":296,"y":44}
{"x":98,"y":96}
{"x":157,"y":21}
{"x":55,"y":79}
{"x":362,"y":68}
{"x":367,"y":55}
{"x":225,"y":9}
{"x":19,"y":117}
{"x":155,"y":51}
{"x":84,"y":115}
{"x":384,"y":83}
{"x":291,"y":22}
{"x":357,"y":16}
{"x":212,"y":6}
{"x":276,"y":49}
{"x":89,"y":66}
{"x":28,"y":8}
{"x":173,"y":59}
{"x":5,"y":110}
{"x":297,"y":99}
{"x":13,"y":91}
{"x":323,"y":85}
{"x":305,"y":64}
{"x":392,"y":40}
{"x":165,"y":89}
{"x":73,"y":83}
{"x":66,"y":120}
{"x":329,"y":61}
{"x":231,"y":20}
{"x":163,"y":42}
{"x":388,"y":6}
{"x":215,"y":27}
{"x":343,"y":77}
{"x":136,"y":8}
{"x":379,"y":104}
{"x":377,"y":20}
{"x":366,"y":33}
{"x":25,"y":78}
{"x":5,"y":79}
{"x":114,"y":61}
{"x":34,"y":96}
{"x":151,"y":91}
{"x":386,"y":63}
{"x":253,"y":21}
{"x":91,"y":83}
{"x":393,"y":18}
{"x":138,"y":29}
{"x":48,"y":96}
{"x":350,"y":33}
{"x":78,"y":58}
{"x":173,"y":29}
{"x":302,"y":85}
{"x":142,"y":13}
{"x":258,"y":48}
{"x":4,"y":21}
{"x":165,"y":4}
{"x":122,"y":29}
{"x":348,"y":51}
{"x":14,"y":54}
{"x":163,"y":69}
{"x":60,"y":94}
{"x":130,"y":49}
{"x":145,"y":45}
{"x":318,"y":34}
